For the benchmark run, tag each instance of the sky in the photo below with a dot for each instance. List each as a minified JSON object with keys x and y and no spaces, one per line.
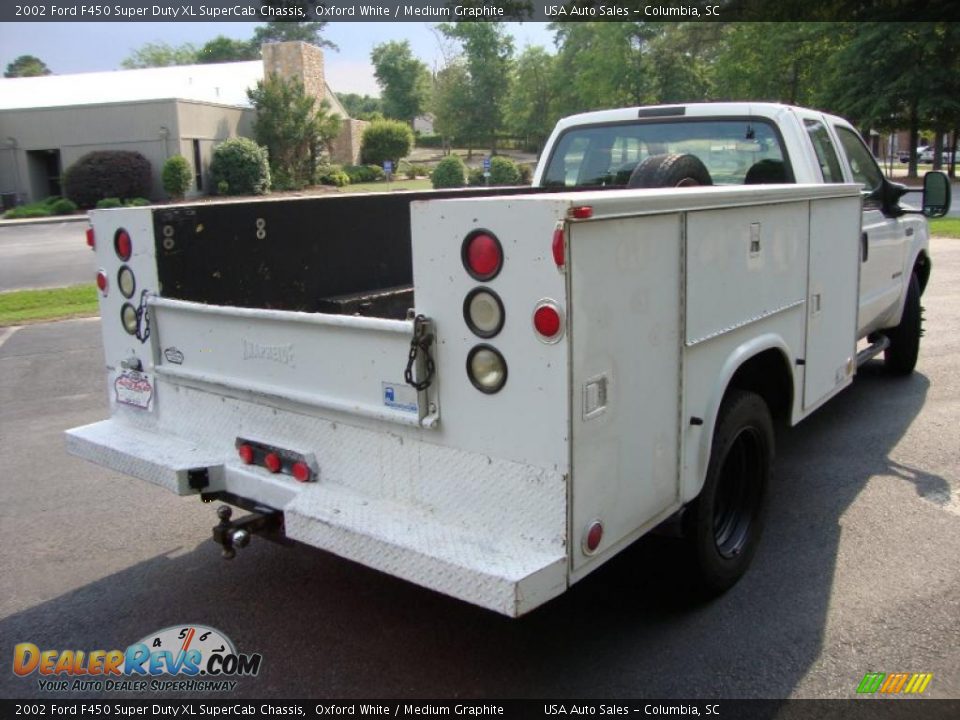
{"x":88,"y":47}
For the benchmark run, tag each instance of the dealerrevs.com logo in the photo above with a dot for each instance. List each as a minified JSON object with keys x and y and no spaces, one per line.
{"x":177,"y":658}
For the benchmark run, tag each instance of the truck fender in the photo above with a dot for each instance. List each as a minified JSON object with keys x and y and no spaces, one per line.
{"x":919,"y":264}
{"x":694,"y":477}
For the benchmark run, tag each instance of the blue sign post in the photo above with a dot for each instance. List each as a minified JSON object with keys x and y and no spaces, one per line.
{"x":486,"y":168}
{"x":388,"y":168}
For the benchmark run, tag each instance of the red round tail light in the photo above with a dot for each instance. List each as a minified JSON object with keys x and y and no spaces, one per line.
{"x":273,"y":462}
{"x":482,"y":255}
{"x":123,"y":245}
{"x":547,"y":321}
{"x":102,"y":282}
{"x":246,"y":453}
{"x":301,"y":472}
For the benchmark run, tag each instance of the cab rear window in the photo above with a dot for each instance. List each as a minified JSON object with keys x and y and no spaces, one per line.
{"x":734,"y":151}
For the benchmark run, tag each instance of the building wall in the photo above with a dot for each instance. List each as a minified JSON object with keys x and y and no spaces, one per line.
{"x":210,"y":125}
{"x":155,"y":129}
{"x":346,"y":148}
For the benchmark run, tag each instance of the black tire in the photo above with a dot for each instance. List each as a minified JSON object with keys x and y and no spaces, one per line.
{"x":674,"y":170}
{"x":900,"y":358}
{"x":722,"y":527}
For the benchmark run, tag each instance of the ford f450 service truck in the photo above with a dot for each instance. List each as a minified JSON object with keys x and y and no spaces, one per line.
{"x":490,"y":393}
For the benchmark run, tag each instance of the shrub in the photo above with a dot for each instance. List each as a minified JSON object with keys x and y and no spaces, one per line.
{"x":448,"y":173}
{"x":503,"y":171}
{"x":415,"y":171}
{"x":177,"y":176}
{"x":136,"y":202}
{"x":63,"y":207}
{"x":26,"y":211}
{"x":364,"y":173}
{"x":386,"y":140}
{"x":239,"y":167}
{"x":475,"y":178}
{"x":430,"y":141}
{"x":526,"y":173}
{"x":109,"y":203}
{"x":107,"y":173}
{"x":332,"y":175}
{"x":50,"y":200}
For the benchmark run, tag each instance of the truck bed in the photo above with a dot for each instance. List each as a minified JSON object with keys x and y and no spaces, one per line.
{"x":337,"y":254}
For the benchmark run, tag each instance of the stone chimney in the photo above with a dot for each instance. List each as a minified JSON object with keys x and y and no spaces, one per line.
{"x":298,"y":60}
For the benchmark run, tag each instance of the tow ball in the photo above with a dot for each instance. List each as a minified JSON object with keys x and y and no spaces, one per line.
{"x":232,"y":535}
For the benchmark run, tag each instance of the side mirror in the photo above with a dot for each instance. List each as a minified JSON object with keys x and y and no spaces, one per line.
{"x":936,"y":194}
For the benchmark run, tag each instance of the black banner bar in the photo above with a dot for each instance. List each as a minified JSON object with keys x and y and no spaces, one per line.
{"x":853,"y":709}
{"x":477,"y":10}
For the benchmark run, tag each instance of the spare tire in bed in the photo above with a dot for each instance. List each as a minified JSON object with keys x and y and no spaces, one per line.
{"x":673,"y":170}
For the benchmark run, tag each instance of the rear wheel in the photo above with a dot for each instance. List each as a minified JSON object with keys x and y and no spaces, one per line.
{"x":900,"y":358}
{"x":723,"y":525}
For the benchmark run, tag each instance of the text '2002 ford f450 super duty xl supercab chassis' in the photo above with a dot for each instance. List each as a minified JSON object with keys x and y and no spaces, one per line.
{"x":492,"y":392}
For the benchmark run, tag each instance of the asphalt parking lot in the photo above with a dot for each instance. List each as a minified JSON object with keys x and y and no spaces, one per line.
{"x":858,"y":571}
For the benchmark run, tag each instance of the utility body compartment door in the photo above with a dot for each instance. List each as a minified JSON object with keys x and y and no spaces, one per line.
{"x":832,"y":298}
{"x":625,"y":282}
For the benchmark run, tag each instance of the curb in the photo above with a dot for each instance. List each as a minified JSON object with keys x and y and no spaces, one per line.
{"x":45,"y":220}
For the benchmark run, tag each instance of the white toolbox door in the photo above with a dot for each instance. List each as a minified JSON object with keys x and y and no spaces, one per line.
{"x":832,"y":298}
{"x":625,"y":328}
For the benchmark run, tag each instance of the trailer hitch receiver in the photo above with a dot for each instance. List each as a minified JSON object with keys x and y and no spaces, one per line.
{"x":236,"y":534}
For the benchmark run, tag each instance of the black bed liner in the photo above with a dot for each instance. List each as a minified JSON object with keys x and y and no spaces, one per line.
{"x":344,"y":254}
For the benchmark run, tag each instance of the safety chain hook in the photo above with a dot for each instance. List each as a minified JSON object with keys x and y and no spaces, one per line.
{"x":420,"y":343}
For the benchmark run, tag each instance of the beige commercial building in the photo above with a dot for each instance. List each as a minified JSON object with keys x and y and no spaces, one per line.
{"x":48,"y":123}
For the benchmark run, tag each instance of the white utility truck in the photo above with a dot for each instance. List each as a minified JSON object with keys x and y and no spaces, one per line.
{"x":491,"y":393}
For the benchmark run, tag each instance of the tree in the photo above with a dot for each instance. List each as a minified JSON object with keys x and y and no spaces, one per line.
{"x":223,"y":49}
{"x":292,"y":128}
{"x":779,"y":62}
{"x":886,"y":80}
{"x":451,"y":103}
{"x":603,"y":65}
{"x":488,"y":52}
{"x":161,"y":54}
{"x":405,"y":81}
{"x":27,"y":66}
{"x":530,"y":110}
{"x":361,"y":107}
{"x":283,"y":31}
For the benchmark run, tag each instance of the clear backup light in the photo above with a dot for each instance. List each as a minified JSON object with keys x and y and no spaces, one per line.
{"x":128,"y":317}
{"x":482,"y":255}
{"x":486,"y":369}
{"x":483,"y":312}
{"x":126,"y":281}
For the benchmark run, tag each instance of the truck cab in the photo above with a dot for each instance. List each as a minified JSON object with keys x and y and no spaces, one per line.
{"x":753,"y":143}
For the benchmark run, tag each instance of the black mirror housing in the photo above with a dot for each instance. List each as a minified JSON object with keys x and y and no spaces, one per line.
{"x":936,"y":194}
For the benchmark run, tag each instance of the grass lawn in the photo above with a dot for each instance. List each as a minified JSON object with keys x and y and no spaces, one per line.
{"x":945,"y":227}
{"x":23,"y":306}
{"x":423,"y":184}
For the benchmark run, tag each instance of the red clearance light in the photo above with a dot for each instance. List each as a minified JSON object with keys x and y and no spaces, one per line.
{"x":559,"y":247}
{"x":273,"y":462}
{"x":123,"y":245}
{"x":246,"y":454}
{"x":594,"y":535}
{"x":482,"y":255}
{"x":102,"y":281}
{"x":91,"y":239}
{"x":582,"y":212}
{"x":547,"y":321}
{"x":301,"y":472}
